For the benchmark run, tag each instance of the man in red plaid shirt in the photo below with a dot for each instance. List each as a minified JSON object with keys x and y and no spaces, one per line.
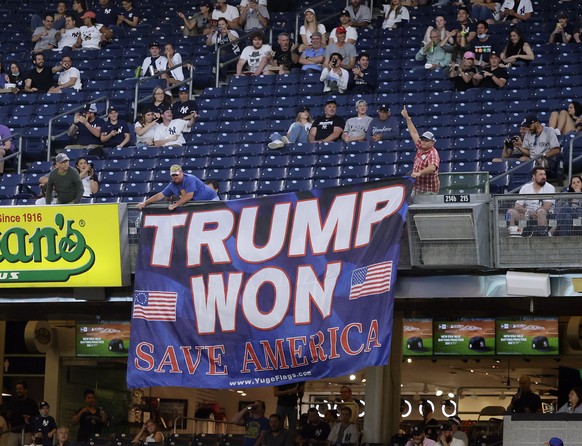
{"x":426,"y":162}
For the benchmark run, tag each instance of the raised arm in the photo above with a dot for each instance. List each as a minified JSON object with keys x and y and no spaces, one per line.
{"x":410,"y":125}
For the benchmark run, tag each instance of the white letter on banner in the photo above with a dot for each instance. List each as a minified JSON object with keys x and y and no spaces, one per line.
{"x":163,"y":242}
{"x":245,"y":240}
{"x":390,"y":198}
{"x":278,"y":279}
{"x":309,"y":289}
{"x":207,"y":304}
{"x":307,"y":224}
{"x":214,"y":238}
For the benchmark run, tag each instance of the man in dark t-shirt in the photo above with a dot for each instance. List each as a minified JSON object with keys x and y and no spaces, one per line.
{"x":329,"y":127}
{"x":492,"y":76}
{"x":90,"y":418}
{"x":525,"y":401}
{"x":287,"y":396}
{"x":40,"y":79}
{"x":315,"y":430}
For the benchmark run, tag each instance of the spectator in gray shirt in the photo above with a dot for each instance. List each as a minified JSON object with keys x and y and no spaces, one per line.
{"x":65,"y":181}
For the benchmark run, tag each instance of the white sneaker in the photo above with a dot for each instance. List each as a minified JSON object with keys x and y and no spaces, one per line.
{"x":285,"y":140}
{"x":277,"y":144}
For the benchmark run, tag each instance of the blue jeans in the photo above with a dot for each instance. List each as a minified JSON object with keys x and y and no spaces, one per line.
{"x":482,"y":13}
{"x":297,"y":133}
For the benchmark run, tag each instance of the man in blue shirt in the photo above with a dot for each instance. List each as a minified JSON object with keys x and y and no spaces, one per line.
{"x":186,"y":187}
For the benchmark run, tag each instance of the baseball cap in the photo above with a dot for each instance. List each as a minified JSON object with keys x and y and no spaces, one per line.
{"x":91,"y":108}
{"x":309,"y":10}
{"x":302,"y":108}
{"x":529,"y":120}
{"x":154,"y":44}
{"x":429,"y":136}
{"x":344,"y":12}
{"x":418,"y":429}
{"x":183,"y":88}
{"x":61,"y":157}
{"x":112,"y":108}
{"x":44,"y":403}
{"x":469,"y":55}
{"x":555,"y":441}
{"x":331,"y":101}
{"x":89,"y":14}
{"x":446,"y":427}
{"x":384,"y":107}
{"x":340,"y":30}
{"x":175,"y":170}
{"x":455,"y":420}
{"x":494,"y":53}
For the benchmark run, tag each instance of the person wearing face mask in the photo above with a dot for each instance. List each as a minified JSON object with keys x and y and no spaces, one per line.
{"x":37,"y":438}
{"x":484,"y":44}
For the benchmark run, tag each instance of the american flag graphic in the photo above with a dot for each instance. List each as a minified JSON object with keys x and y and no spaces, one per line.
{"x":155,"y":305}
{"x":371,"y":279}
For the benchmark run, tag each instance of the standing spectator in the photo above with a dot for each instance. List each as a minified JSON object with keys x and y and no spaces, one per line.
{"x":254,"y":55}
{"x":426,"y":162}
{"x":517,"y":49}
{"x":70,"y":77}
{"x":254,"y":16}
{"x":185,"y":186}
{"x":433,"y":54}
{"x":86,"y":129}
{"x":40,"y":78}
{"x":184,"y":107}
{"x":564,"y":31}
{"x":106,"y":12}
{"x":115,"y":132}
{"x":45,"y":424}
{"x":347,"y":50}
{"x":329,"y":127}
{"x":457,"y":432}
{"x":44,"y":35}
{"x":128,"y":16}
{"x":91,"y":417}
{"x":200,"y":22}
{"x":516,"y":10}
{"x":5,"y":145}
{"x":335,"y":78}
{"x":541,"y":143}
{"x":462,"y":74}
{"x":229,"y":12}
{"x":465,"y":25}
{"x":395,"y":15}
{"x":287,"y":396}
{"x":363,"y":77}
{"x":79,"y":8}
{"x":92,"y":34}
{"x":155,"y":62}
{"x":65,"y":181}
{"x":220,"y":35}
{"x":567,"y":121}
{"x":351,"y":32}
{"x":357,"y":127}
{"x":169,"y":132}
{"x":20,"y":409}
{"x":16,"y":76}
{"x":383,"y":127}
{"x":176,"y":74}
{"x":66,"y":37}
{"x":298,"y":130}
{"x":88,"y":177}
{"x":254,"y":421}
{"x":360,"y":15}
{"x":309,"y":27}
{"x":145,"y":129}
{"x":314,"y":55}
{"x":484,"y":10}
{"x":493,"y":77}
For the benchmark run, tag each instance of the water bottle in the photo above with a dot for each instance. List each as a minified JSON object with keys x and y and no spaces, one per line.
{"x":552,"y":408}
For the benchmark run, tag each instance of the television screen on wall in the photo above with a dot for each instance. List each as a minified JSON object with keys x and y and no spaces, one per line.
{"x":527,"y":336}
{"x":464,"y":336}
{"x":102,"y":339}
{"x":417,"y":337}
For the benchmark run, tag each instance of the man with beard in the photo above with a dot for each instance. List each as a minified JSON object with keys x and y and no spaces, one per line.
{"x":40,"y":78}
{"x":20,"y":411}
{"x":445,"y":437}
{"x":419,"y":437}
{"x":329,"y":127}
{"x":540,"y":143}
{"x":277,"y":435}
{"x":315,"y":431}
{"x":255,"y":56}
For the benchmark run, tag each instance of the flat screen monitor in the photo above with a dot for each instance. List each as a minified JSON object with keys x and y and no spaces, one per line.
{"x":466,"y":336}
{"x":527,"y":336}
{"x":102,"y":339}
{"x":417,"y":337}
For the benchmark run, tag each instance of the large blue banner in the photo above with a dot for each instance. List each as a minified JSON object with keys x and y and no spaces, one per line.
{"x":258,"y":292}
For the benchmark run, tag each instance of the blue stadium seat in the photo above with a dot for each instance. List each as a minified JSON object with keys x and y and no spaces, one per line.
{"x":135,"y":190}
{"x":267,"y":187}
{"x":222,"y":163}
{"x":384,"y":158}
{"x":171,"y":152}
{"x":468,"y":166}
{"x":115,"y":165}
{"x":466,"y":154}
{"x":302,"y":160}
{"x":166,"y":163}
{"x":300,"y":173}
{"x":299,"y":149}
{"x":11,"y":179}
{"x":248,"y":160}
{"x":109,"y":190}
{"x":324,"y":172}
{"x":272,"y":173}
{"x":326,"y":182}
{"x":275,"y":159}
{"x":357,"y":159}
{"x":243,"y":187}
{"x":329,"y":159}
{"x":247,"y":173}
{"x":120,"y":152}
{"x":223,"y":150}
{"x":295,"y":185}
{"x":139,"y":176}
{"x":354,"y":171}
{"x":112,"y":176}
{"x":143,"y":163}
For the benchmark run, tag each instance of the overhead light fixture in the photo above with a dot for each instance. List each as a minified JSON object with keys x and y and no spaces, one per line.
{"x":352,"y":377}
{"x":363,"y":380}
{"x":409,"y":360}
{"x":451,"y":395}
{"x":439,"y":392}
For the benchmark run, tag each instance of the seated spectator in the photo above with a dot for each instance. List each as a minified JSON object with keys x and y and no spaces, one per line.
{"x":253,"y":16}
{"x":335,"y":78}
{"x":220,"y":35}
{"x":115,"y":132}
{"x":363,"y":77}
{"x":92,"y":34}
{"x":5,"y":145}
{"x":176,"y":75}
{"x":351,"y":32}
{"x":79,"y":8}
{"x":58,"y":17}
{"x":484,"y":10}
{"x":161,"y":101}
{"x":309,"y":27}
{"x":577,"y":33}
{"x":298,"y":130}
{"x":155,"y":62}
{"x":384,"y":126}
{"x":88,"y":177}
{"x":128,"y":16}
{"x":3,"y":76}
{"x":229,"y":12}
{"x":483,"y":45}
{"x":564,"y":31}
{"x":329,"y":127}
{"x":433,"y":54}
{"x":360,"y":15}
{"x":534,"y":210}
{"x":66,"y":37}
{"x":570,"y":209}
{"x":69,"y":78}
{"x":169,"y":132}
{"x":512,"y":147}
{"x":200,"y":23}
{"x":440,"y":25}
{"x":516,"y":10}
{"x":457,"y":48}
{"x":254,"y":56}
{"x":40,"y":78}
{"x":184,"y":107}
{"x":314,"y":55}
{"x":465,"y":25}
{"x":462,"y":74}
{"x":347,"y":50}
{"x":357,"y":127}
{"x":44,"y":35}
{"x":395,"y":15}
{"x":494,"y":76}
{"x":244,"y":3}
{"x":106,"y":12}
{"x":567,"y":121}
{"x":517,"y":49}
{"x":285,"y":56}
{"x":145,"y":129}
{"x":541,"y":143}
{"x":86,"y":129}
{"x":213,"y":184}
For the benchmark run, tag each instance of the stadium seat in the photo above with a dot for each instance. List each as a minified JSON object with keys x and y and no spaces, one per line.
{"x":267,"y":187}
{"x":296,"y":185}
{"x":249,"y":173}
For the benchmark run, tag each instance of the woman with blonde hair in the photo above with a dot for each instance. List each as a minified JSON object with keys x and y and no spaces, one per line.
{"x":309,"y":27}
{"x":297,"y":132}
{"x":395,"y":15}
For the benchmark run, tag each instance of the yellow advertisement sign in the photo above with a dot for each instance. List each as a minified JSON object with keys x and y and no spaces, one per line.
{"x":60,"y":246}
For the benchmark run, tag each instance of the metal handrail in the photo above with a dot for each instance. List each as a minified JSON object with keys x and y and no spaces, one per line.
{"x":205,"y":420}
{"x":14,"y":154}
{"x":52,"y":137}
{"x":187,"y":81}
{"x":571,"y":155}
